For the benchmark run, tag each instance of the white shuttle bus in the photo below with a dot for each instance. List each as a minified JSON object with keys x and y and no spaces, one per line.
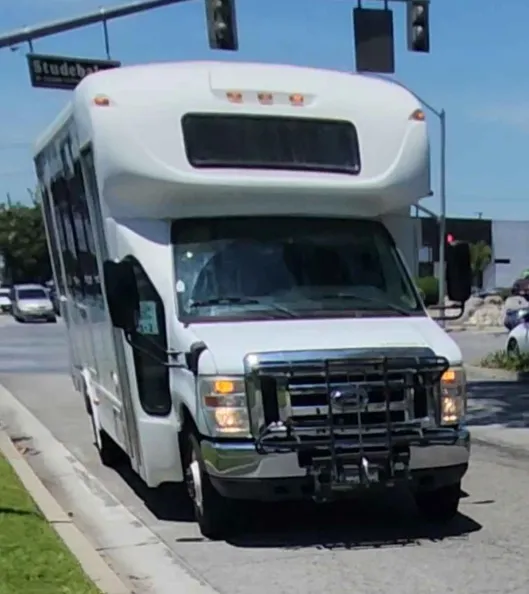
{"x":232,"y":246}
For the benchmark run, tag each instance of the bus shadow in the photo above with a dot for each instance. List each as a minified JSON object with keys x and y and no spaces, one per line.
{"x":374,"y":522}
{"x":168,"y":502}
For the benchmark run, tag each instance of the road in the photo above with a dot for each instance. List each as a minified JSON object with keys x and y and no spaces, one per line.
{"x":475,"y":345}
{"x":367,"y":547}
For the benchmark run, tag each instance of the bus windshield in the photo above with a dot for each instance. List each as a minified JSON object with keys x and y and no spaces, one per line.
{"x":250,"y":267}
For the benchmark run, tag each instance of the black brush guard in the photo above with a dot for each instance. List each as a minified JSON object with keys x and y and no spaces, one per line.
{"x":364,"y":423}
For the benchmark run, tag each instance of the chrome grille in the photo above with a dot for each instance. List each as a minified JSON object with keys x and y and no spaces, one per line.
{"x":295,"y":397}
{"x":309,"y":393}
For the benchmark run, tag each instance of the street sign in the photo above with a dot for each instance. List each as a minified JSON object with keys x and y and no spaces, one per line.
{"x":59,"y":72}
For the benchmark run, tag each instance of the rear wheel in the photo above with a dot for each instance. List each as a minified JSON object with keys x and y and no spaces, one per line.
{"x":110,"y":453}
{"x":440,"y":505}
{"x":212,"y":511}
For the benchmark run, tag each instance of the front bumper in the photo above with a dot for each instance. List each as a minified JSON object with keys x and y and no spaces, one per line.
{"x":237,"y":469}
{"x":36,"y":315}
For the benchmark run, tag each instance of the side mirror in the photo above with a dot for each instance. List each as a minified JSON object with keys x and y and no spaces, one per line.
{"x":122,"y":294}
{"x":458,"y":272}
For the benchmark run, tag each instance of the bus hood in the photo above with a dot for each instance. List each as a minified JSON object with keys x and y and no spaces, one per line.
{"x":229,"y":342}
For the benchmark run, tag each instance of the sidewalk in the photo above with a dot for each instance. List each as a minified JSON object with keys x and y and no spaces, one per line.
{"x":140,"y":556}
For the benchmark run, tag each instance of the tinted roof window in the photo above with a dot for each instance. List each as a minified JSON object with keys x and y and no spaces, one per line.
{"x":245,"y":141}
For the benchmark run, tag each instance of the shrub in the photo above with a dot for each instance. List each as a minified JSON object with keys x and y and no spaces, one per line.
{"x":429,"y":286}
{"x":504,"y":360}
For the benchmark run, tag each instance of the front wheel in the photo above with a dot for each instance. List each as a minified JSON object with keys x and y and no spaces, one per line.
{"x":513,"y":350}
{"x":212,"y":511}
{"x":439,"y":505}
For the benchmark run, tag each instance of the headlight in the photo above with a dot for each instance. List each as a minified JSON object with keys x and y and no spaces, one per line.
{"x":224,"y":402}
{"x":453,"y":396}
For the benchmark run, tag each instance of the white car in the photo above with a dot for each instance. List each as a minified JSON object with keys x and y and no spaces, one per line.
{"x":31,"y":303}
{"x":518,"y":338}
{"x":5,"y":301}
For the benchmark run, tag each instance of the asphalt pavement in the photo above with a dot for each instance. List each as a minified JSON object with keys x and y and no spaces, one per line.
{"x":476,"y":345}
{"x":370,"y":546}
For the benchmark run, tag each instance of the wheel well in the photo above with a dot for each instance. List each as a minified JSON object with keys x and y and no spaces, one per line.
{"x":188,"y":426}
{"x":512,"y":343}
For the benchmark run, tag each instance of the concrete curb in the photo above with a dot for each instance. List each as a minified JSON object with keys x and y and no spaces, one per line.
{"x":499,"y":374}
{"x":480,"y":329}
{"x":92,"y":563}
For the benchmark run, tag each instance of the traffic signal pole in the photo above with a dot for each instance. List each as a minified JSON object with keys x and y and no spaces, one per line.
{"x":29,"y":34}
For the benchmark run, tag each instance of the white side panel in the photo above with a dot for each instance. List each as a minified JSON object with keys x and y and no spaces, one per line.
{"x":406,"y":231}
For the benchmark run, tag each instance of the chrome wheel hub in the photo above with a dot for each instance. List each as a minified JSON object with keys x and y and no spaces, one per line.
{"x":194,"y":482}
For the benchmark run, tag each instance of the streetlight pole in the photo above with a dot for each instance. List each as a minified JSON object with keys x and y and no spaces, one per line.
{"x":442,"y":216}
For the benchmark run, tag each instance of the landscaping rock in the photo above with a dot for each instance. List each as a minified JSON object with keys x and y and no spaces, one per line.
{"x":482,"y":313}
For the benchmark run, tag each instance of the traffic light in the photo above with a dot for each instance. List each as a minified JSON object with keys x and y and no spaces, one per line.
{"x":418,"y":25}
{"x":374,"y":46}
{"x":449,"y":238}
{"x":222,"y":24}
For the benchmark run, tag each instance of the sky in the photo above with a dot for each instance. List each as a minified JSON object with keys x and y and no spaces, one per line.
{"x":475,"y":72}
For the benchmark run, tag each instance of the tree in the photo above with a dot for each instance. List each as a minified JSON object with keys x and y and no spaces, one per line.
{"x":23,"y":243}
{"x":480,"y":257}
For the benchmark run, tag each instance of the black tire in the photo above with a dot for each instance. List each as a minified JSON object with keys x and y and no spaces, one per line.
{"x":513,"y":350}
{"x":110,"y":453}
{"x":212,"y":511}
{"x":440,"y":505}
{"x":52,"y":320}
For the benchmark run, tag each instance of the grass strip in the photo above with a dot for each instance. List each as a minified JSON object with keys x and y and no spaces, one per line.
{"x":33,"y":558}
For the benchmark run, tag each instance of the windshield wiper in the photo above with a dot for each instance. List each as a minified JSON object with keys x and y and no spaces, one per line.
{"x":224,"y":301}
{"x":366,"y":299}
{"x":232,"y":300}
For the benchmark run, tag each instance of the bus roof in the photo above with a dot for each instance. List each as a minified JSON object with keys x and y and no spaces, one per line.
{"x":140,"y":134}
{"x":170,"y":74}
